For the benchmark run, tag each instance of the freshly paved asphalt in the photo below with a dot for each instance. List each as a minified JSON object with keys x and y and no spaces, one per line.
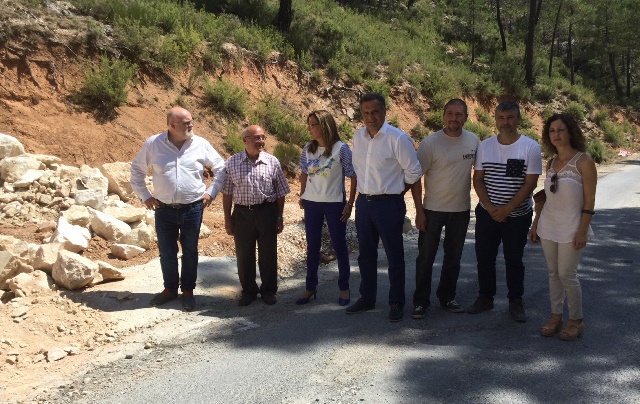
{"x":317,"y":353}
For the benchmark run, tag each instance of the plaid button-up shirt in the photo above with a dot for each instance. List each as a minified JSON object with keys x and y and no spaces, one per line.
{"x":252,"y":183}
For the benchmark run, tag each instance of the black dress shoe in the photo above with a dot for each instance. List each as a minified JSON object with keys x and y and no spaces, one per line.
{"x":269,"y":298}
{"x":360,"y":306}
{"x":246,"y":299}
{"x":396,"y":313}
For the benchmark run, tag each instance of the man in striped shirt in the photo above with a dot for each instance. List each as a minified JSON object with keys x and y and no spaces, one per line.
{"x":506,"y":173}
{"x":255,"y":186}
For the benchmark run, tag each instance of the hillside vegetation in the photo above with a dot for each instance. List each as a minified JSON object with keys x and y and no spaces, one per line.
{"x":576,"y":56}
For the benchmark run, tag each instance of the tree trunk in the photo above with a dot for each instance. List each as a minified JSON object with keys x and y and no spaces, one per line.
{"x":529,"y":42}
{"x":538,"y":10}
{"x":553,"y":38}
{"x":628,"y":72}
{"x":614,"y":75}
{"x":570,"y":53}
{"x":473,"y":31}
{"x":285,"y":15}
{"x":500,"y":26}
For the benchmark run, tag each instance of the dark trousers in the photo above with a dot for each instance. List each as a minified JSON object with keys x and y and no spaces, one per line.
{"x":314,"y":215}
{"x":489,"y":235}
{"x":377,"y":220}
{"x":178,"y":224}
{"x":455,"y":230}
{"x":251,"y":226}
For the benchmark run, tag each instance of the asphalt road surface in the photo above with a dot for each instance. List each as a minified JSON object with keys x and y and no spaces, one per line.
{"x":318,"y":354}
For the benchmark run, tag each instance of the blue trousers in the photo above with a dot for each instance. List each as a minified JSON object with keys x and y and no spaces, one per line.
{"x":377,"y":220}
{"x":455,"y":230}
{"x":314,"y":215}
{"x":183,"y":225}
{"x":489,"y":235}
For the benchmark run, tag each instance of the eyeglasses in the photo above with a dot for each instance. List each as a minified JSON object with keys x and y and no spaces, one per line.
{"x":554,"y":183}
{"x":187,"y":123}
{"x":256,"y":138}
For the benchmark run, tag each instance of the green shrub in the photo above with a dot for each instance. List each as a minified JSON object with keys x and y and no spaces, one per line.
{"x":532,"y":134}
{"x":394,"y":121}
{"x":613,"y":133}
{"x":289,"y":156}
{"x":419,"y":132}
{"x":546,"y":113}
{"x":305,"y":61}
{"x":598,"y":151}
{"x":479,"y":129}
{"x":485,"y":117}
{"x":377,"y":86}
{"x":269,"y":113}
{"x":137,"y":42}
{"x":233,"y":139}
{"x":105,"y":85}
{"x":345,"y":129}
{"x":600,"y":116}
{"x":576,"y":110}
{"x":435,"y":120}
{"x":225,"y":97}
{"x":525,"y":122}
{"x":543,"y":93}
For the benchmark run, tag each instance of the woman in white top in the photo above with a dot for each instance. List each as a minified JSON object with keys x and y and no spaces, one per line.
{"x":325,"y":162}
{"x":563,"y":225}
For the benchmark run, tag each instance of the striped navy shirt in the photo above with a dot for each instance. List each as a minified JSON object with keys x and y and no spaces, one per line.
{"x":506,"y":167}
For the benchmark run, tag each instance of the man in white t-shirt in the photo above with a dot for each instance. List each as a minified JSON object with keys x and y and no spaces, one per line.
{"x":446,"y":158}
{"x":506,"y":173}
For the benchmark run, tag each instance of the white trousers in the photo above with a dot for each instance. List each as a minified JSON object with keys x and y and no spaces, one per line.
{"x":562,"y":261}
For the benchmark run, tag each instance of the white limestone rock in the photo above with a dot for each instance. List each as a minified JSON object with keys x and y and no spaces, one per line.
{"x":142,"y":236}
{"x":46,"y":256}
{"x":92,"y":178}
{"x":93,"y":198}
{"x":10,"y":266}
{"x":73,"y":271}
{"x":12,"y":168}
{"x":74,"y":238}
{"x":204,"y":231}
{"x":28,"y":178}
{"x":128,"y":213}
{"x":126,"y":251}
{"x":29,"y":284}
{"x":10,"y":146}
{"x":109,"y":272}
{"x":78,"y":215}
{"x":108,"y":227}
{"x":118,"y":174}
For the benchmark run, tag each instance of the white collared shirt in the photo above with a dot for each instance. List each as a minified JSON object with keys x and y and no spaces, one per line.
{"x":384,"y":163}
{"x":177,"y":174}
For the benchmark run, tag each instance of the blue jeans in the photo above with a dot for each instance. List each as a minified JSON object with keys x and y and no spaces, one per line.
{"x":184,"y":225}
{"x":455,"y":230}
{"x":489,"y":235}
{"x":314,"y":216}
{"x":377,"y":220}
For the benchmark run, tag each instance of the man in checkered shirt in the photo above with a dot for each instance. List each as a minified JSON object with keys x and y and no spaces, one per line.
{"x":255,"y":187}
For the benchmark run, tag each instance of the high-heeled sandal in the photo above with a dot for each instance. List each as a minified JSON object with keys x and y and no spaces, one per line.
{"x":552,"y":327}
{"x":574,"y":330}
{"x":344,"y":302}
{"x":305,"y":300}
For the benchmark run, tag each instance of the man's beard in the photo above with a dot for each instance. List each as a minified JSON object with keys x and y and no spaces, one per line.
{"x":189,"y":134}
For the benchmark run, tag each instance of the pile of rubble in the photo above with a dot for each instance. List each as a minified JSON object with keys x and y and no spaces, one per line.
{"x":83,"y":202}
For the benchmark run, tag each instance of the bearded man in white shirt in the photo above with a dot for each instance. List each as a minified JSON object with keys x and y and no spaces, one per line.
{"x":177,"y":159}
{"x":386,"y":164}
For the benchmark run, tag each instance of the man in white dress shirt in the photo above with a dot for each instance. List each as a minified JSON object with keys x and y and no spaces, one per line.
{"x":386,"y":165}
{"x":177,"y":159}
